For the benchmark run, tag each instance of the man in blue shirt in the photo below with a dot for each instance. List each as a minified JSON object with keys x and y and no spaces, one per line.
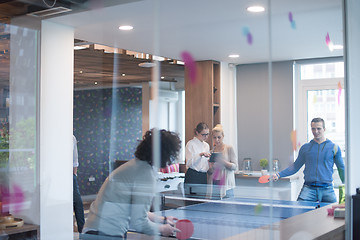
{"x":319,"y":156}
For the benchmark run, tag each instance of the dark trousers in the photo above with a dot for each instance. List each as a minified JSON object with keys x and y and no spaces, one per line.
{"x":78,"y":205}
{"x":195,"y":183}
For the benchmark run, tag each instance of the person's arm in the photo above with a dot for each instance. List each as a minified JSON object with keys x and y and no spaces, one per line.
{"x":192,"y":157}
{"x":162,"y":219}
{"x":141,"y":198}
{"x":339,"y":162}
{"x":231,"y":163}
{"x":293,"y":168}
{"x":75,"y":156}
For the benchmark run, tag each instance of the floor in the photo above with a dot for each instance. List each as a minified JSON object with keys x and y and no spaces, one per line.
{"x":86,"y":203}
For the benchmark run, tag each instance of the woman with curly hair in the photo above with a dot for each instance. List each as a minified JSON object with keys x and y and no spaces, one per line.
{"x":125,"y":197}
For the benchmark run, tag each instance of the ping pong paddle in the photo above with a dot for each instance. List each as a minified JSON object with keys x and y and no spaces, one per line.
{"x":186,"y":227}
{"x":264,"y":179}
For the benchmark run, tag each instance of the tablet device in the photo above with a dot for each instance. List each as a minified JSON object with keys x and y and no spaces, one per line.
{"x":215,"y":156}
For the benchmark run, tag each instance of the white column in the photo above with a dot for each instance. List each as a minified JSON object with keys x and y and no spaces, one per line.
{"x":352,"y":60}
{"x":56,"y":128}
{"x":228,"y":104}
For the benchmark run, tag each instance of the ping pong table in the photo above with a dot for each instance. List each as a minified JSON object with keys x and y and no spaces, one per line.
{"x":226,"y":218}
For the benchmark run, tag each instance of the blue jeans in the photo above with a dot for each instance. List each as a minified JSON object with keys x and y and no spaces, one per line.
{"x":317,"y":194}
{"x":78,"y":205}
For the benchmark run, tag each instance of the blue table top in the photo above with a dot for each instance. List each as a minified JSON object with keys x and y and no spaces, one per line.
{"x":226,"y":218}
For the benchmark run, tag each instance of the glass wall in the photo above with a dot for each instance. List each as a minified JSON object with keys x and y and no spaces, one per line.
{"x":18,"y":109}
{"x":149,"y":64}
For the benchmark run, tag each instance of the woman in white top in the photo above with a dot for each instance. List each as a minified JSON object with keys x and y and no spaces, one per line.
{"x":197,"y":153}
{"x":223,"y":170}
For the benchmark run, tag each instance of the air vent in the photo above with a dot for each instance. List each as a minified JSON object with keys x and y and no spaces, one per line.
{"x":49,"y":12}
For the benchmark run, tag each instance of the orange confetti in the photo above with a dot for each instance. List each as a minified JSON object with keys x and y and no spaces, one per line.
{"x":293,"y":139}
{"x":339,"y":93}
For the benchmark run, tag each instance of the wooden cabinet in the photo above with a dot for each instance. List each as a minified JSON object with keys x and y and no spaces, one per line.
{"x":202,"y":98}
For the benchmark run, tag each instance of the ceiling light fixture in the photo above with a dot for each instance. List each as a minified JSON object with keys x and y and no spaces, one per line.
{"x":255,"y":9}
{"x":162,"y":77}
{"x":123,"y":74}
{"x":234,"y":55}
{"x":126,"y":27}
{"x":147,"y":64}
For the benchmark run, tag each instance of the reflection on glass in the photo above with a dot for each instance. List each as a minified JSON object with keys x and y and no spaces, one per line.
{"x":330,"y":105}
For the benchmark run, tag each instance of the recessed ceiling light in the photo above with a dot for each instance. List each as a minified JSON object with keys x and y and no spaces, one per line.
{"x":256,"y":9}
{"x":126,"y":27}
{"x":147,"y":64}
{"x":234,"y":55}
{"x":123,"y":74}
{"x":95,"y":83}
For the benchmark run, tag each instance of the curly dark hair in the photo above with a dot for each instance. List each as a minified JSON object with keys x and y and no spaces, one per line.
{"x":170,"y":147}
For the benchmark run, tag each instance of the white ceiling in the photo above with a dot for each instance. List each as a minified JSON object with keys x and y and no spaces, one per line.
{"x":213,"y":29}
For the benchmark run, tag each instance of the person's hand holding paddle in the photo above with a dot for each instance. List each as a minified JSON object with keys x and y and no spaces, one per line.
{"x":267,"y":178}
{"x":170,"y":220}
{"x":167,"y":230}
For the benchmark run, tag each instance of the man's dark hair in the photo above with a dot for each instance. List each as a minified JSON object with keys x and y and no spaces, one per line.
{"x":169,"y":148}
{"x":201,"y":126}
{"x":315,"y":120}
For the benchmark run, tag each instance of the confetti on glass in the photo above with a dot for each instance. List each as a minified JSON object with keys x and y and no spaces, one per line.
{"x":339,"y":92}
{"x":5,"y":198}
{"x":314,"y":99}
{"x":190,"y":65}
{"x":291,"y":20}
{"x":17,"y":198}
{"x":293,"y":139}
{"x":249,"y":39}
{"x":258,"y":208}
{"x":248,"y":35}
{"x":14,"y":198}
{"x":245,"y":31}
{"x":327,"y":39}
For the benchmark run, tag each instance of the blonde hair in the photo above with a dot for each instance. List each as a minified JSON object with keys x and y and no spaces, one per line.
{"x":218,"y":128}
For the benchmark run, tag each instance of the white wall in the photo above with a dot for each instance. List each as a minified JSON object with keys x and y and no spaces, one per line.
{"x":228,"y":104}
{"x":253,"y":112}
{"x":56,"y":126}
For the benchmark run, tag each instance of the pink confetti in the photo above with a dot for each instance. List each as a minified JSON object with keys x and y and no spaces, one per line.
{"x":190,"y":65}
{"x":327,"y":39}
{"x":5,"y":198}
{"x":15,"y":198}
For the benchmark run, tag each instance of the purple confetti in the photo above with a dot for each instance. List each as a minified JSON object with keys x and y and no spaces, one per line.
{"x":290,"y":17}
{"x":249,"y":38}
{"x":190,"y":65}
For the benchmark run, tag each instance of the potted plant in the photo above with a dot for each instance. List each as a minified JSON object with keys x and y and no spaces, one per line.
{"x":264,"y":164}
